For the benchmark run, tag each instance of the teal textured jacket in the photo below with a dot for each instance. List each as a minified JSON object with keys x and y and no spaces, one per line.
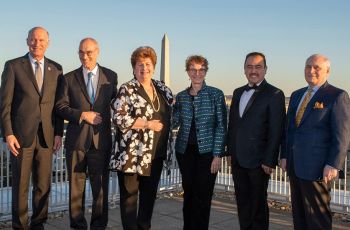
{"x":209,"y":110}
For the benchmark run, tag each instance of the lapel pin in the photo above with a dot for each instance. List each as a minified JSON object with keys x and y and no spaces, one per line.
{"x":49,"y":68}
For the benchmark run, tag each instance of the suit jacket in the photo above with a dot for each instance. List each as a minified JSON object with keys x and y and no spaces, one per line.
{"x":255,"y":138}
{"x":322,"y":137}
{"x":22,"y":105}
{"x":73,"y":99}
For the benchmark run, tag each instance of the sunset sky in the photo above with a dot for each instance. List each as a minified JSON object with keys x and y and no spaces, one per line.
{"x":223,"y":31}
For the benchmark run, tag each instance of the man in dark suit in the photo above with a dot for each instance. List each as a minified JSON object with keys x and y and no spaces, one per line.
{"x":84,"y":97}
{"x":317,"y":140}
{"x":255,"y":128}
{"x":30,"y":128}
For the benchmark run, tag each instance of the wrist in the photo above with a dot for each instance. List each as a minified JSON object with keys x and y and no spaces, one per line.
{"x":82,"y":117}
{"x":145,"y":125}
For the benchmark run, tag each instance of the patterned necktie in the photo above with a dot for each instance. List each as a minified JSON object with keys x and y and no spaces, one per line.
{"x":90,"y":88}
{"x":302,"y":107}
{"x":38,"y":75}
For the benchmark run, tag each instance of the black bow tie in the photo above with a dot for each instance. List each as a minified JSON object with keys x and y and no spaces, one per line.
{"x":248,"y":87}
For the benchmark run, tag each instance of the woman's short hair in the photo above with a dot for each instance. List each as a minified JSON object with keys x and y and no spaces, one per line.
{"x":198,"y":59}
{"x":143,"y":52}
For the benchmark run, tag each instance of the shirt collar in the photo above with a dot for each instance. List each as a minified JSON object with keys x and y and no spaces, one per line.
{"x":257,"y":84}
{"x":33,"y":61}
{"x":314,"y":88}
{"x":93,"y":71}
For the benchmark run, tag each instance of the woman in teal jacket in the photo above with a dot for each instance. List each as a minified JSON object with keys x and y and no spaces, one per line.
{"x":200,"y":114}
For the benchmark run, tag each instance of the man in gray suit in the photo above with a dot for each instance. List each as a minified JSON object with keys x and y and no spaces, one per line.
{"x":316,"y":144}
{"x":30,"y":128}
{"x":84,"y":97}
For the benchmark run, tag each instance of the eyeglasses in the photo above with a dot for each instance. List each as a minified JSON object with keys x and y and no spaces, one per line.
{"x":200,"y":71}
{"x":257,"y":67}
{"x":88,"y":53}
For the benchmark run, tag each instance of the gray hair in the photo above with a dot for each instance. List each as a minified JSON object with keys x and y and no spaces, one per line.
{"x":325,"y":59}
{"x":89,"y":39}
{"x":36,"y":28}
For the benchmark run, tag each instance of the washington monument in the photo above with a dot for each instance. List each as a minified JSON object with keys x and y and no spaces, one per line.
{"x":164,"y":66}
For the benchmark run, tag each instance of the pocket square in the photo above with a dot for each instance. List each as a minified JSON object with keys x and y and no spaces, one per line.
{"x":318,"y":105}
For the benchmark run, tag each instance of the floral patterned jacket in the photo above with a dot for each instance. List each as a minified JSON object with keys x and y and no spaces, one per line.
{"x":134,"y":148}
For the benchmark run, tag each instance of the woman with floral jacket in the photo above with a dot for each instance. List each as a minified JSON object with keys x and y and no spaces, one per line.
{"x":142,"y":113}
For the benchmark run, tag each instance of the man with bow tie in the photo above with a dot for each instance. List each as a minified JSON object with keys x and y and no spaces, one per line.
{"x":255,"y":129}
{"x":316,"y":144}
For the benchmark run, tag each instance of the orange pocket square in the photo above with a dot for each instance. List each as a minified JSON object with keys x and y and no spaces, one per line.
{"x":318,"y":105}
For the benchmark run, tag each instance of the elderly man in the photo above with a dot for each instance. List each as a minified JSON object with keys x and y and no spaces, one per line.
{"x":84,"y":97}
{"x":31,"y":129}
{"x":317,"y":140}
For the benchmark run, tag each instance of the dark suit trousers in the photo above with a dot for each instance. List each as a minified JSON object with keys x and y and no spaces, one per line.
{"x":310,"y":204}
{"x":36,"y":159}
{"x":133,"y":187}
{"x":198,"y":185}
{"x":93,"y":163}
{"x":251,"y":195}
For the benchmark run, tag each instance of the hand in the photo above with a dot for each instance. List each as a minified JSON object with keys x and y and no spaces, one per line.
{"x":155,"y":125}
{"x":283,"y":164}
{"x":267,"y":169}
{"x":12,"y":144}
{"x":91,"y":117}
{"x":215,"y":165}
{"x":329,"y":173}
{"x":57,"y":144}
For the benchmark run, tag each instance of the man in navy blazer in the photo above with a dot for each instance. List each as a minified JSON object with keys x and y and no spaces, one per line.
{"x":315,"y":145}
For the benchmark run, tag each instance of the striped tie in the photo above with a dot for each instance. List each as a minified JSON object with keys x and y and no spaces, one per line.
{"x":302,"y":107}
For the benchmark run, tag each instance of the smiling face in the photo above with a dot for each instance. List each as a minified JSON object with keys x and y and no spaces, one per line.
{"x":317,"y":69}
{"x":197,"y":73}
{"x":255,"y":69}
{"x":88,"y":53}
{"x":38,"y":41}
{"x":144,"y":69}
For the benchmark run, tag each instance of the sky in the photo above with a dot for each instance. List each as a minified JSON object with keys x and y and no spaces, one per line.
{"x":223,"y":31}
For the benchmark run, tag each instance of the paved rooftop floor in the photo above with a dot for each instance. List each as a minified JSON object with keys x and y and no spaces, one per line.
{"x":168,"y":215}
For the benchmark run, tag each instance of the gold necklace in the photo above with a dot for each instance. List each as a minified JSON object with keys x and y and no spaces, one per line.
{"x":155,"y":96}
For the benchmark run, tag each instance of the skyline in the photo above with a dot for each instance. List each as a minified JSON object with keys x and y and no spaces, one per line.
{"x":222,"y":31}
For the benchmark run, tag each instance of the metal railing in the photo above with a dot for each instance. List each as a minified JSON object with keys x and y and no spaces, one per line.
{"x":278,"y":185}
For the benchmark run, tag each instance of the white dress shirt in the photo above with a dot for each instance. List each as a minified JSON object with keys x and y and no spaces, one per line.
{"x":246,"y":95}
{"x":33,"y":64}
